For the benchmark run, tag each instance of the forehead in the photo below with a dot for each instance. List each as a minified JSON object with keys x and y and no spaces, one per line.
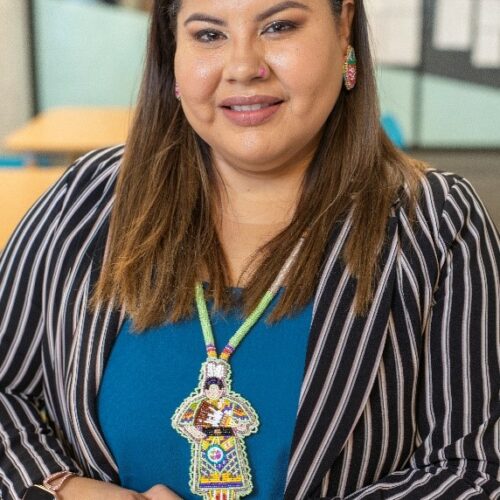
{"x":242,"y":7}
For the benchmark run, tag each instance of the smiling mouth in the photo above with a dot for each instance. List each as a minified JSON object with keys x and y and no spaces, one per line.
{"x":252,"y":107}
{"x":251,"y":115}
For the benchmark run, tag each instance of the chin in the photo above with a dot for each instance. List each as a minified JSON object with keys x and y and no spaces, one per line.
{"x":258,"y":162}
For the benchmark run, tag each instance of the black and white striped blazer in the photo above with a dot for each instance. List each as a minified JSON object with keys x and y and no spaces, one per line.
{"x":400,"y":403}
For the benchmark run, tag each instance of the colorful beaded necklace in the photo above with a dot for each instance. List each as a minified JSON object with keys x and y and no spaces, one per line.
{"x":213,"y":418}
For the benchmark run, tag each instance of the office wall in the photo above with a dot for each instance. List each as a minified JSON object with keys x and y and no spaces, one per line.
{"x":459,"y":114}
{"x":15,"y":81}
{"x":439,"y":70}
{"x":397,"y":89}
{"x":88,"y":53}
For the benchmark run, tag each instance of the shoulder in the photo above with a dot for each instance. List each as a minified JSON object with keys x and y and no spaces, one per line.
{"x":86,"y":189}
{"x":440,"y":193}
{"x":438,"y":188}
{"x":85,"y":197}
{"x":74,"y":198}
{"x":435,"y":189}
{"x":447,"y":208}
{"x":448,"y":203}
{"x":93,"y":174}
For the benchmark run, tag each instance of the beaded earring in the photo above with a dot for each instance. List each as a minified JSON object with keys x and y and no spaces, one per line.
{"x":177,"y":92}
{"x":349,"y":72}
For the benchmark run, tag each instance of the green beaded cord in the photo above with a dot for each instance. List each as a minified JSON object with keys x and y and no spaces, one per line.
{"x":242,"y":331}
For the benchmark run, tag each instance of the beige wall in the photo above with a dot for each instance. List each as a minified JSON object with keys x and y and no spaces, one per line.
{"x":15,"y":88}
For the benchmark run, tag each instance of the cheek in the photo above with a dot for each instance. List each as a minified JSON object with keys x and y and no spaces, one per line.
{"x":197,"y":77}
{"x":310,"y":73}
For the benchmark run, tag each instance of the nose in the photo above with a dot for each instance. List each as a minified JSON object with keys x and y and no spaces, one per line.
{"x":244,"y":62}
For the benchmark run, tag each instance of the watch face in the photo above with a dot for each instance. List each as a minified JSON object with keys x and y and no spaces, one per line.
{"x":38,"y":493}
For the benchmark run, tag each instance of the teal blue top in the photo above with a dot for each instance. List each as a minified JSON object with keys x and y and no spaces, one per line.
{"x":149,"y":375}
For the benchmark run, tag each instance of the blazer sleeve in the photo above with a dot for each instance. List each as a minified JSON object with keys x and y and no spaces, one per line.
{"x":458,"y":434}
{"x":29,"y":448}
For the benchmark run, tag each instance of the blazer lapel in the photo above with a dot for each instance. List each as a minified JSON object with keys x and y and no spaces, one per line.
{"x":343,"y":355}
{"x":93,"y":340}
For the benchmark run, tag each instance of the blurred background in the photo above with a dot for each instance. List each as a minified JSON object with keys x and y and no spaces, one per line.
{"x":70,"y":72}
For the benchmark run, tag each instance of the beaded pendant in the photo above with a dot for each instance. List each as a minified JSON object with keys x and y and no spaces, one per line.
{"x":214,"y":419}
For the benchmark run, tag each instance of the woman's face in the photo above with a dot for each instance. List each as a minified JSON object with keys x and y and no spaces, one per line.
{"x":284,"y":59}
{"x":214,"y":392}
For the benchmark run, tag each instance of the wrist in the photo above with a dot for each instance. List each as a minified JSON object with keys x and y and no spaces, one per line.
{"x":71,"y":487}
{"x":50,"y":488}
{"x":55,"y":482}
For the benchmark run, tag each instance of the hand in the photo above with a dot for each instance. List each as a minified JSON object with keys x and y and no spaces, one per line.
{"x":215,"y":417}
{"x":82,"y":488}
{"x":160,"y":492}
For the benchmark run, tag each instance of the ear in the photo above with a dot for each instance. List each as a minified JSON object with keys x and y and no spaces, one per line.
{"x":345,"y":22}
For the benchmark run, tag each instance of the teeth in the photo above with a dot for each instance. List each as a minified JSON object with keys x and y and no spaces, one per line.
{"x":252,"y":107}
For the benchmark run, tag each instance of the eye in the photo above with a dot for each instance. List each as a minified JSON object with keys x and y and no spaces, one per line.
{"x":207,"y":36}
{"x":280,"y":26}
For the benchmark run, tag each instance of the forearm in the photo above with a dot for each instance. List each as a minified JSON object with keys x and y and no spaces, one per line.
{"x":29,"y":450}
{"x":82,"y":488}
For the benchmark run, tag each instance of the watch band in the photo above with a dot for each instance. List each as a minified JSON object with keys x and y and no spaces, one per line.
{"x":55,"y":481}
{"x":38,"y":492}
{"x":51,"y":484}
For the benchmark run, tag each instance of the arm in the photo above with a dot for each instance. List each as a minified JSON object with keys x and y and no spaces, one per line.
{"x":457,"y":442}
{"x":29,"y":450}
{"x":183,"y":419}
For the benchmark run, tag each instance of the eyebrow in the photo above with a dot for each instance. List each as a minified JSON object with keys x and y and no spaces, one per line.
{"x":288,"y":4}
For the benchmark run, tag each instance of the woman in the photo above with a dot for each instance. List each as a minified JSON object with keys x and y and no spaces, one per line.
{"x":257,"y":179}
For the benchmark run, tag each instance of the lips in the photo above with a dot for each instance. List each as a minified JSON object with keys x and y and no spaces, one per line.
{"x":250,"y":110}
{"x":242,"y":101}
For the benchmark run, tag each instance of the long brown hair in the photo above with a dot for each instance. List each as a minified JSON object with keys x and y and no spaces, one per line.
{"x":163,"y":233}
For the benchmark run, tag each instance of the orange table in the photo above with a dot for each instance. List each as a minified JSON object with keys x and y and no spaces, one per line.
{"x":19,"y":188}
{"x":71,"y":131}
